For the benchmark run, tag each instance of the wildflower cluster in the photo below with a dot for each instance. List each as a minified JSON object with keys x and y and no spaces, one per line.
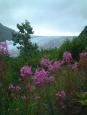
{"x":13,"y":89}
{"x":25,"y":71}
{"x":51,"y":65}
{"x":52,"y":84}
{"x":41,"y":77}
{"x":3,"y":49}
{"x":67,"y":57}
{"x":45,"y":62}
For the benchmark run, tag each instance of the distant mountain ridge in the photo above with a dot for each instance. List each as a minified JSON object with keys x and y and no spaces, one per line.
{"x":6,"y":33}
{"x":83,"y":34}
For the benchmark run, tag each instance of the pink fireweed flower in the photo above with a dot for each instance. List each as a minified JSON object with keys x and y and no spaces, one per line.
{"x":11,"y":88}
{"x":45,"y":62}
{"x":17,"y":88}
{"x":61,"y":62}
{"x":67,"y":57}
{"x":83,"y":55}
{"x":3,"y":49}
{"x":25,"y":71}
{"x":74,"y":66}
{"x":51,"y":68}
{"x":40,"y":77}
{"x":51,"y":79}
{"x":61,"y":94}
{"x":24,"y":98}
{"x":55,"y":65}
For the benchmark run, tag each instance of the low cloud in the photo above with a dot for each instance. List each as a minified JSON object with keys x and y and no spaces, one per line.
{"x":46,"y":17}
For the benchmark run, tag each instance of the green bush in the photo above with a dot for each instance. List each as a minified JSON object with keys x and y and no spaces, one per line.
{"x":75,"y":46}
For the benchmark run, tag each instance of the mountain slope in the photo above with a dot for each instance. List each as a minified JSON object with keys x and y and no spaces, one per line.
{"x":83,"y":33}
{"x":83,"y":37}
{"x":5,"y":33}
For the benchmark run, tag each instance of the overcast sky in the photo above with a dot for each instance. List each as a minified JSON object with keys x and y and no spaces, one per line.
{"x":47,"y":17}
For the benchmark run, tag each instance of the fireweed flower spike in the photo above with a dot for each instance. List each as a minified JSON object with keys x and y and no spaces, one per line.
{"x":3,"y":49}
{"x":45,"y":62}
{"x":67,"y":57}
{"x":60,"y":94}
{"x":74,"y":66}
{"x":51,"y":79}
{"x":11,"y":88}
{"x":17,"y":88}
{"x":51,"y":68}
{"x":55,"y":65}
{"x":83,"y":55}
{"x":25,"y":71}
{"x":40,"y":77}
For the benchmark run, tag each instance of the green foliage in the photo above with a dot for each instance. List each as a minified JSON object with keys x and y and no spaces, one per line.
{"x":51,"y":53}
{"x":13,"y":65}
{"x":82,"y":98}
{"x":66,"y":46}
{"x":75,"y":46}
{"x":23,"y":38}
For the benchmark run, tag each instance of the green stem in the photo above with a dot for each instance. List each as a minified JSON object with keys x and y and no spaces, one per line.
{"x":49,"y":100}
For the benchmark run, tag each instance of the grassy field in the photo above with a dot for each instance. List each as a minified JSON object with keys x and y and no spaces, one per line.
{"x":43,"y":84}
